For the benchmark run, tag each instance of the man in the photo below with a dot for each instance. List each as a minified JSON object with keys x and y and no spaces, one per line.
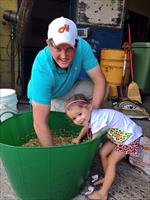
{"x":55,"y":73}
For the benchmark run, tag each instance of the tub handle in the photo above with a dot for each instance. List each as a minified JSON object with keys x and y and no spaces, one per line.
{"x":7,"y":112}
{"x":10,"y":111}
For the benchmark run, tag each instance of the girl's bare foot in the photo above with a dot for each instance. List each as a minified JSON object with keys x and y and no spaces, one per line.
{"x":99,"y":182}
{"x":97,"y":196}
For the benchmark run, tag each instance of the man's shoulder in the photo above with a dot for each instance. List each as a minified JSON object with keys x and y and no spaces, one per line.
{"x":44,"y":53}
{"x":43,"y":60}
{"x":82,"y":41}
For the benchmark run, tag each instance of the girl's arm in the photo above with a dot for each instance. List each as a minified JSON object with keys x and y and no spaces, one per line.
{"x":82,"y":133}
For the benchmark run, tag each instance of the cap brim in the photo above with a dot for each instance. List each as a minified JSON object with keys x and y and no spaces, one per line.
{"x":64,"y":41}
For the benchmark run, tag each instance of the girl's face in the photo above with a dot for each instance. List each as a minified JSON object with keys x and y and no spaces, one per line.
{"x":80,"y":115}
{"x":62,"y":54}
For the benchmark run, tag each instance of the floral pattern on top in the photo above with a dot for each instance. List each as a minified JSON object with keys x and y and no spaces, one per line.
{"x":117,"y":136}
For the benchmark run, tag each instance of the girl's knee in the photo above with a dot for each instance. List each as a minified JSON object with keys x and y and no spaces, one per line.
{"x":106,"y":149}
{"x":102,"y":153}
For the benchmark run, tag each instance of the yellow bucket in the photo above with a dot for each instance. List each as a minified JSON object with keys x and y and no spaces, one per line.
{"x":112,"y":61}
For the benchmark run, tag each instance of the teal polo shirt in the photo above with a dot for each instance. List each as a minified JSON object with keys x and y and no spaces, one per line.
{"x":49,"y":81}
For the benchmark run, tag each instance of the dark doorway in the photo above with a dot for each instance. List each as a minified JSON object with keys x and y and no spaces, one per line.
{"x":43,"y":12}
{"x":140,"y":27}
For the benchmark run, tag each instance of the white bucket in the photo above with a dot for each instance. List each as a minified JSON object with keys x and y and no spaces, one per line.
{"x":8,"y":103}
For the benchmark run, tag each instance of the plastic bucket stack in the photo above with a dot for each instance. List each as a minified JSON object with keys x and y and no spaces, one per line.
{"x":45,"y":173}
{"x":8,"y":103}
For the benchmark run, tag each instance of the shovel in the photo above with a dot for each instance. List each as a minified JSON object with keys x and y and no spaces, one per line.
{"x":133,"y":89}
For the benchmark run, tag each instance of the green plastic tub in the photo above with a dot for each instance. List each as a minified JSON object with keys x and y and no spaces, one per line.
{"x":44,"y":173}
{"x":141,"y":64}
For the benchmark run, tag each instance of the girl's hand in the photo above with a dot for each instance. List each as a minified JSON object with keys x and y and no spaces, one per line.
{"x":75,"y":140}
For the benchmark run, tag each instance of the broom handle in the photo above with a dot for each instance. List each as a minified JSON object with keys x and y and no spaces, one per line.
{"x":130,"y":52}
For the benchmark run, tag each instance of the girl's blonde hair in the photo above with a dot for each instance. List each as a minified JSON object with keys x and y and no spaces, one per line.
{"x":77,"y":99}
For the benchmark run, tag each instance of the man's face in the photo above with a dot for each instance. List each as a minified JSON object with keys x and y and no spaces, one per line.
{"x":62,"y":54}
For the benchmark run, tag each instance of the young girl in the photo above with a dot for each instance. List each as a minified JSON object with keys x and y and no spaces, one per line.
{"x":123,"y":137}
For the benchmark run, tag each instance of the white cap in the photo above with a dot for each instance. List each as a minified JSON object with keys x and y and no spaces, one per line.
{"x":62,"y":30}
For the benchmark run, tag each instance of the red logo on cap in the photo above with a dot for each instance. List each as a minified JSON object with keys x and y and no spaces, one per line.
{"x":63,"y":28}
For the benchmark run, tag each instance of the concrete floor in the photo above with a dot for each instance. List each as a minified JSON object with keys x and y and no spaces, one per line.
{"x":131,"y":183}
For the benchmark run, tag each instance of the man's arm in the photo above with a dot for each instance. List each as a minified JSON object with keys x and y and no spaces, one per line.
{"x":99,"y":90}
{"x":40,"y":117}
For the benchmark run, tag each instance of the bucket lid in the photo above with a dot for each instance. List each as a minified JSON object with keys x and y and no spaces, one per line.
{"x":141,"y":44}
{"x":6,"y":92}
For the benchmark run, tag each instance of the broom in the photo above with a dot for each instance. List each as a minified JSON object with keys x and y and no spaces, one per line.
{"x":133,"y":89}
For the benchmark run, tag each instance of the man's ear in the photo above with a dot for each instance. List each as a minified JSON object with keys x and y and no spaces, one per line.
{"x":47,"y":42}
